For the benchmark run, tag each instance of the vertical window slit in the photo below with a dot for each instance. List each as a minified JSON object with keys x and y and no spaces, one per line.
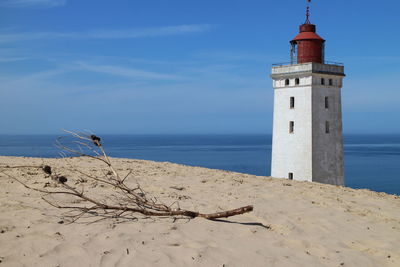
{"x":327,"y":127}
{"x":326,"y":102}
{"x":292,"y":102}
{"x":291,"y":127}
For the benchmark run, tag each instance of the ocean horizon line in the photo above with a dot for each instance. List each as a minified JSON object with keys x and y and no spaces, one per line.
{"x":178,"y":134}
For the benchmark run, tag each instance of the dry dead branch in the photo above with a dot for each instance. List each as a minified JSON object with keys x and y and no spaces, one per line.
{"x":127,"y":201}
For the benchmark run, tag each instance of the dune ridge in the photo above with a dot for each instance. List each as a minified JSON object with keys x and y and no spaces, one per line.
{"x":293,"y":223}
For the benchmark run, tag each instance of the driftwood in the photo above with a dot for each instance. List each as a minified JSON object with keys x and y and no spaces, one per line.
{"x":128,"y":201}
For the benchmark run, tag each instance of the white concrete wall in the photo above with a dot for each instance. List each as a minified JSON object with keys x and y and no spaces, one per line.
{"x":291,"y":152}
{"x":307,"y":67}
{"x":309,"y":152}
{"x":327,"y":151}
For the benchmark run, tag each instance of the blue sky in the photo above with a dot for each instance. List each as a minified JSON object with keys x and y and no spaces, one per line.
{"x":182,"y":66}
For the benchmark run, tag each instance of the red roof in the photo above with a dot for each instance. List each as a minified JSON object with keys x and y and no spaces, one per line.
{"x":307,"y":36}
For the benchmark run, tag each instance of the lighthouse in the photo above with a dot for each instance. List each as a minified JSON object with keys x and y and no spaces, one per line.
{"x":307,"y":142}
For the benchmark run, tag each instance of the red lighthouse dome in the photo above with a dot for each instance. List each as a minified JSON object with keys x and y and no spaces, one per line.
{"x":307,"y":46}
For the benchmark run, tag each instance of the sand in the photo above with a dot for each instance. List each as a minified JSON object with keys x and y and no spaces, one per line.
{"x":293,"y":223}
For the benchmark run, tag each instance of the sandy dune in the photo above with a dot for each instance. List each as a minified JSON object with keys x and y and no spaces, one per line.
{"x":293,"y":223}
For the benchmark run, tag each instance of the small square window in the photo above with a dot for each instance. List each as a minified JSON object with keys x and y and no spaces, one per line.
{"x":292,"y":102}
{"x":290,"y":175}
{"x":291,"y":127}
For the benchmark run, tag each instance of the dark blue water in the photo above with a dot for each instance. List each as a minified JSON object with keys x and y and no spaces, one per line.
{"x":371,"y":161}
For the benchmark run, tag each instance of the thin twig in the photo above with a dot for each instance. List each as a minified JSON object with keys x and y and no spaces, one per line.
{"x":126,"y":200}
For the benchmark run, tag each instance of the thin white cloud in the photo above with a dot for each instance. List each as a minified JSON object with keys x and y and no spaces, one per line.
{"x":31,"y":3}
{"x":127,"y":72}
{"x":34,"y":77}
{"x":106,"y":34}
{"x":12,"y":55}
{"x":20,"y":83}
{"x":12,"y":59}
{"x":236,"y":56}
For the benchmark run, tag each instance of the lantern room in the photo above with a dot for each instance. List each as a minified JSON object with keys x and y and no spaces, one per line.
{"x":307,"y":46}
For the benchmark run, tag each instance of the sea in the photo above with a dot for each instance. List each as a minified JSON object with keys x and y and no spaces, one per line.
{"x":371,"y":161}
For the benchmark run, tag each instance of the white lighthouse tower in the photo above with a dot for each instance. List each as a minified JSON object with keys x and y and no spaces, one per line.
{"x":307,"y":140}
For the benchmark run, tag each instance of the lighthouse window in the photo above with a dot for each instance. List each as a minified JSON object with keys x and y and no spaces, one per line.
{"x":327,"y":127}
{"x":291,"y":127}
{"x":287,"y":82}
{"x":326,"y":102}
{"x":322,"y":81}
{"x":297,"y":81}
{"x":292,"y":102}
{"x":330,"y":82}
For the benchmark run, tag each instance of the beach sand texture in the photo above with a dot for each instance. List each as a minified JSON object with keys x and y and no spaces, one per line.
{"x":293,"y":223}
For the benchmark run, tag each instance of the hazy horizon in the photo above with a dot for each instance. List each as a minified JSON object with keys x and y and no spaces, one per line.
{"x":177,"y":134}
